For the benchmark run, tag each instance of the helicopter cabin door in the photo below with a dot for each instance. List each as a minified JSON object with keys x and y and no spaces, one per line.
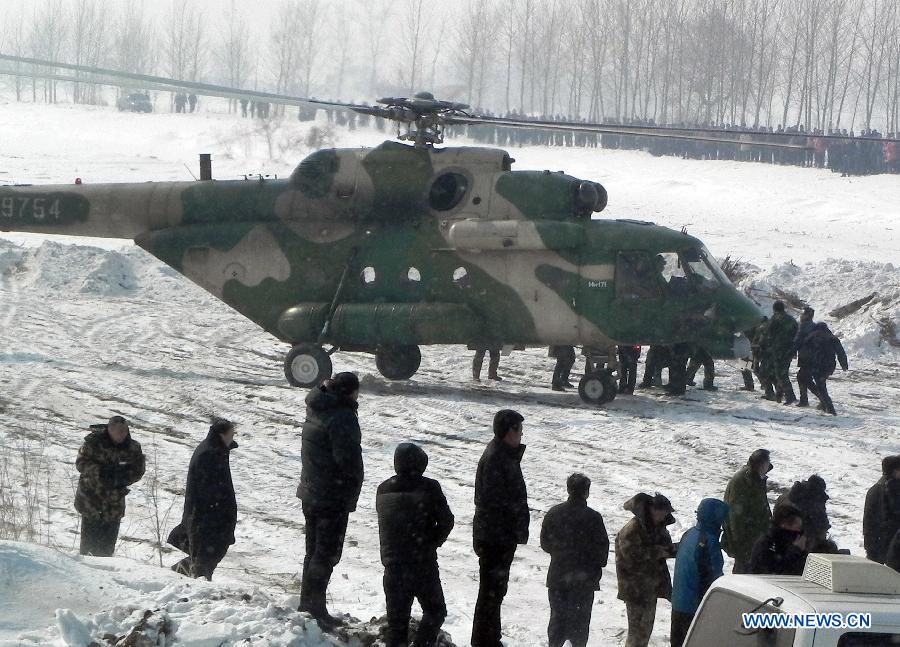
{"x":638,"y":298}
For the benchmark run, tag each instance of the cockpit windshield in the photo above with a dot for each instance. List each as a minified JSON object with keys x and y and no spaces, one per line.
{"x":690,"y":270}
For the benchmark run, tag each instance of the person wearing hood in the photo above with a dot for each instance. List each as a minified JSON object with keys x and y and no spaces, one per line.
{"x":782,"y":549}
{"x":331,"y":477}
{"x":108,"y":462}
{"x":210,"y":506}
{"x":698,"y":563}
{"x":825,"y":351}
{"x":642,"y":548}
{"x":810,"y":497}
{"x":500,"y":523}
{"x":414,"y":520}
{"x":749,"y":512}
{"x":881,"y":514}
{"x":575,"y":537}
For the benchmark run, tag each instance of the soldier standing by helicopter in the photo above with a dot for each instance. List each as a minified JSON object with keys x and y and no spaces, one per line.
{"x":778,"y":341}
{"x":493,"y":364}
{"x":565,"y":360}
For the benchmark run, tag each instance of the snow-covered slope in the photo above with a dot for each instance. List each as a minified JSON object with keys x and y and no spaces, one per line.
{"x":86,"y":332}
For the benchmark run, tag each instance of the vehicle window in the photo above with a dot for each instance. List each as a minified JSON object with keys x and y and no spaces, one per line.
{"x":636,"y":276}
{"x":861,"y":639}
{"x":718,"y":622}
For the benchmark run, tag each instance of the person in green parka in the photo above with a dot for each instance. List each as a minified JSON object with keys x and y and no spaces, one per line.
{"x":749,"y":513}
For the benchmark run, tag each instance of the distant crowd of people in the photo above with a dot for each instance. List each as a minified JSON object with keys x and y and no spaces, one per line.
{"x":414,"y":520}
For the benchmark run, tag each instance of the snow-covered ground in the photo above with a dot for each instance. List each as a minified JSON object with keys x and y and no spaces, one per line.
{"x":86,"y":332}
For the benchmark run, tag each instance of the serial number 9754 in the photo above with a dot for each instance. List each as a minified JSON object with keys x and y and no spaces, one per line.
{"x":29,"y":208}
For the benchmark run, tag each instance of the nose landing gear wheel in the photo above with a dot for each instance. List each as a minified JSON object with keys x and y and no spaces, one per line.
{"x":306,"y":365}
{"x":597,"y":388}
{"x":398,"y":362}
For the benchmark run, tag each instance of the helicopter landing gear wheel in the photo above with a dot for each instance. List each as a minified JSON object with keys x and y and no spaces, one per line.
{"x":306,"y":365}
{"x":597,"y":388}
{"x":398,"y":362}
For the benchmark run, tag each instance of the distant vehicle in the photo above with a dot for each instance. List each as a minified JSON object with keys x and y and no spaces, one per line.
{"x":135,"y":102}
{"x":837,"y":586}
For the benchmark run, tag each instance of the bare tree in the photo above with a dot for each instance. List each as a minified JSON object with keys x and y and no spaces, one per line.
{"x":234,"y":49}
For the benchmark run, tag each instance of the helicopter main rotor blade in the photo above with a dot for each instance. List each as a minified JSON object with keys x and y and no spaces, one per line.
{"x":106,"y":76}
{"x":694,"y":134}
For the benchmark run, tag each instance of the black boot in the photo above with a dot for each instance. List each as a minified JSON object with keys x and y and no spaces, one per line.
{"x":749,"y":385}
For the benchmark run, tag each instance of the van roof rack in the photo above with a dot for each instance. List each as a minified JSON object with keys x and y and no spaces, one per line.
{"x":851,"y":574}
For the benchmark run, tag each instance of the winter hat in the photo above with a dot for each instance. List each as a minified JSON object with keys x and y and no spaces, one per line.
{"x":409,"y":458}
{"x":342,"y":384}
{"x":504,"y":420}
{"x":778,"y":306}
{"x":817,"y":483}
{"x":758,"y":457}
{"x":662,"y":503}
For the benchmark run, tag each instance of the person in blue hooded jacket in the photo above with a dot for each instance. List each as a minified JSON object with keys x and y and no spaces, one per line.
{"x":698,"y":562}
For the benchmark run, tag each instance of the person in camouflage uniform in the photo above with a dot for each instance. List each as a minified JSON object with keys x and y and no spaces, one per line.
{"x":749,"y":511}
{"x":778,"y":342}
{"x":761,"y":365}
{"x":108,"y":462}
{"x":642,"y":548}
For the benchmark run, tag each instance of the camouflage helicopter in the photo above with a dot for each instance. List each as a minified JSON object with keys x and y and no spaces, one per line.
{"x":404,"y":245}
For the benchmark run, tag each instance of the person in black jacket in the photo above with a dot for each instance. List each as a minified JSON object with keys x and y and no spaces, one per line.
{"x":802,"y":350}
{"x":210,"y":506}
{"x":824,"y":349}
{"x":330,"y":480}
{"x":413,"y":521}
{"x":576,"y":539}
{"x":881,"y":514}
{"x":500,"y":523}
{"x":782,"y":549}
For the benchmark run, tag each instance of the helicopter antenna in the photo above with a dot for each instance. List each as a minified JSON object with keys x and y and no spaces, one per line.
{"x":190,"y":171}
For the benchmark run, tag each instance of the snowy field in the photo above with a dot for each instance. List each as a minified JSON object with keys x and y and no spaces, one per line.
{"x":86,"y":332}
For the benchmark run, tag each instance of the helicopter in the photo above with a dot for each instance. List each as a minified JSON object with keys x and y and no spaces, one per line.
{"x":411,"y":244}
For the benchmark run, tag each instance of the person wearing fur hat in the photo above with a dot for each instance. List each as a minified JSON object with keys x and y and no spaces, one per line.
{"x":331,"y":477}
{"x":642,"y":548}
{"x":500,"y":523}
{"x":210,"y":506}
{"x":414,"y":520}
{"x":881,"y":515}
{"x":749,"y":511}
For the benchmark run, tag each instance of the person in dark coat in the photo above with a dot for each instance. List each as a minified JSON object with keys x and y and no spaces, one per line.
{"x":782,"y":549}
{"x":810,"y":497}
{"x":825,"y":350}
{"x":108,"y":462}
{"x":493,"y":363}
{"x":500,"y":522}
{"x":331,"y":477}
{"x":414,"y":520}
{"x":642,"y":548}
{"x":628,"y":363}
{"x":210,"y":506}
{"x":749,"y":512}
{"x":565,"y":360}
{"x":698,"y":563}
{"x":802,"y":350}
{"x":576,"y":539}
{"x":778,"y":341}
{"x":701,"y":357}
{"x":881,"y":514}
{"x":658,"y":358}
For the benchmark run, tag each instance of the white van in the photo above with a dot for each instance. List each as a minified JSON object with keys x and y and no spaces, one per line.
{"x":839,"y":601}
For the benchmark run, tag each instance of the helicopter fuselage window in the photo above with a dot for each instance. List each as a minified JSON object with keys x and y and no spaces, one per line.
{"x":447,"y":191}
{"x":637,"y":276}
{"x":461,"y":277}
{"x":413,"y":275}
{"x":367,"y":276}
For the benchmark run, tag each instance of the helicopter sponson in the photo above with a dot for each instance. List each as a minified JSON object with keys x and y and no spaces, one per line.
{"x":387,"y":249}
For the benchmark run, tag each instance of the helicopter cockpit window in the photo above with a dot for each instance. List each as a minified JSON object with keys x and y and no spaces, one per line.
{"x":447,"y":191}
{"x":637,"y":276}
{"x":701,"y":271}
{"x":367,"y":276}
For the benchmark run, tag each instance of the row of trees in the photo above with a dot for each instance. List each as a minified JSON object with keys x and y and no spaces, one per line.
{"x":817,"y":63}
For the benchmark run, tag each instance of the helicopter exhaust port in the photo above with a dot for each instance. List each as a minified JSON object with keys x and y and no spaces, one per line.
{"x":205,"y":166}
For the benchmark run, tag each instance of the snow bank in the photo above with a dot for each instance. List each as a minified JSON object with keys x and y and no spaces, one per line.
{"x":53,"y":597}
